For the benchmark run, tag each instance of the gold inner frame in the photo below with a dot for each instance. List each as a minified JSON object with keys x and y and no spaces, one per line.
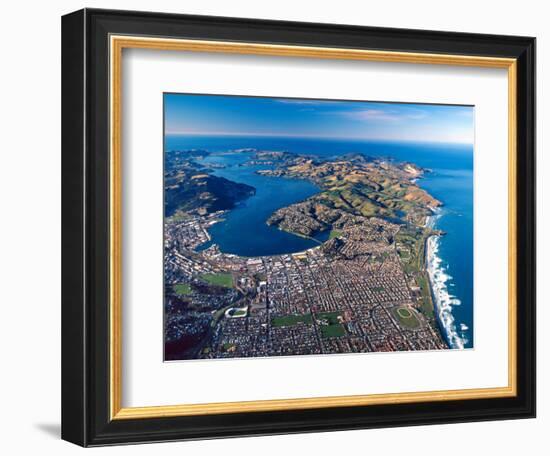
{"x":117,"y":44}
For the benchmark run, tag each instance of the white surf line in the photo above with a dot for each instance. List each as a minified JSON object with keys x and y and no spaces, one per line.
{"x":444,"y":300}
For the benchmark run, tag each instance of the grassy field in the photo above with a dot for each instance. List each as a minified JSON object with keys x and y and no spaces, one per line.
{"x":404,"y":312}
{"x":291,"y":320}
{"x":412,"y":242}
{"x":334,"y":233}
{"x":427,"y":305}
{"x":333,"y":331}
{"x":239,"y":313}
{"x":406,"y":318}
{"x":221,"y":279}
{"x":182,"y":289}
{"x":334,"y":328}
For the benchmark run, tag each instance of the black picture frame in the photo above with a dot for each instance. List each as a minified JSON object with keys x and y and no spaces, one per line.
{"x":85,"y":224}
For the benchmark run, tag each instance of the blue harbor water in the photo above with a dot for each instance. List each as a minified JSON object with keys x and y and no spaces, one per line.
{"x":450,"y":257}
{"x":243,"y":230}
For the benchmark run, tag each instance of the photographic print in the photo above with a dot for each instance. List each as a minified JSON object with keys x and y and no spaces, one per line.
{"x":315,"y":227}
{"x":225,"y":216}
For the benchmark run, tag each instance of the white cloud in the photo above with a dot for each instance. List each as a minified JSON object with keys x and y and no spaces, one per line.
{"x":389,"y":115}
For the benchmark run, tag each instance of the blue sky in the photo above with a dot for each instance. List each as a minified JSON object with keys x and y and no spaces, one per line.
{"x":258,"y":116}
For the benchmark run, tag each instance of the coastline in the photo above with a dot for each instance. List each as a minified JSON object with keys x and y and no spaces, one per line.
{"x":442,"y":300}
{"x":435,"y":305}
{"x":430,"y":222}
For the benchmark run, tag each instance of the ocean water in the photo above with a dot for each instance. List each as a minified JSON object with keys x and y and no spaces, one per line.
{"x":244,"y":231}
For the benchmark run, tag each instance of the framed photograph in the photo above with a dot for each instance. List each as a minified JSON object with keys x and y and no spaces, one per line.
{"x":278,"y":227}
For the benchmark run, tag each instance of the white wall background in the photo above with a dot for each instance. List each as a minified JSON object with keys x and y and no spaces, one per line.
{"x":30,"y":226}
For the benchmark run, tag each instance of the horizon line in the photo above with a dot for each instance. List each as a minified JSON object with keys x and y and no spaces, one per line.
{"x":280,"y":135}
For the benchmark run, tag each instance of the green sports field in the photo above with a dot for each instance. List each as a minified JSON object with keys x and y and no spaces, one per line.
{"x":333,"y":331}
{"x":405,"y":317}
{"x":291,"y":320}
{"x":221,"y":279}
{"x":182,"y":289}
